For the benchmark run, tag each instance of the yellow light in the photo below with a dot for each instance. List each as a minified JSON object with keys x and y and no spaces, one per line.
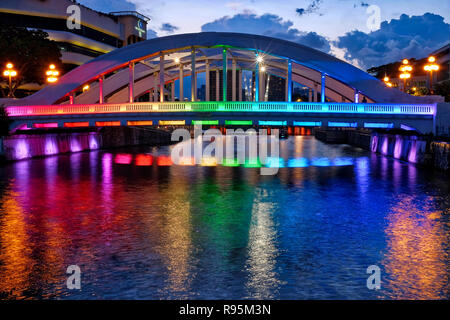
{"x":86,"y":88}
{"x":389,"y":84}
{"x":431,"y":59}
{"x":177,"y":60}
{"x":435,"y":67}
{"x":6,"y":73}
{"x":414,"y":88}
{"x":49,"y":73}
{"x":55,"y":73}
{"x":13,"y":73}
{"x":263,"y":69}
{"x":386,"y":79}
{"x":52,"y":79}
{"x":9,"y":65}
{"x":52,"y":66}
{"x":259,"y":59}
{"x":405,"y":61}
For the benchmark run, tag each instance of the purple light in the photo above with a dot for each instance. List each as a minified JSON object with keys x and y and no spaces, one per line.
{"x":75,"y":144}
{"x":22,"y":149}
{"x":398,"y":147}
{"x":51,"y":147}
{"x":384,"y":146}
{"x":93,"y":142}
{"x":412,"y":156}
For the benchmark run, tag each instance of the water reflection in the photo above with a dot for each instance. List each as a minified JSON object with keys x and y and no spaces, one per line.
{"x":141,"y":227}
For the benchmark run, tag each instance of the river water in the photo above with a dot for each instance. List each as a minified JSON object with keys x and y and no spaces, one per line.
{"x":139,"y":227}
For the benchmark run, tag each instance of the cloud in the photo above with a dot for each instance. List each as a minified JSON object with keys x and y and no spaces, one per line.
{"x":151,"y":34}
{"x":268,"y":25}
{"x":169,"y":28}
{"x":361,"y":4}
{"x":111,"y":5}
{"x":406,"y":37}
{"x":312,"y":7}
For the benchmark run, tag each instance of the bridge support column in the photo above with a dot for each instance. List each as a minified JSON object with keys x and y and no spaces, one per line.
{"x":240,"y":84}
{"x":217,"y":86}
{"x":256,"y":78}
{"x":289,"y":82}
{"x":100,"y":90}
{"x":207,"y":98}
{"x":309,"y":95}
{"x":161,"y":78}
{"x":155,"y":89}
{"x":224,"y":73}
{"x":181,"y":83}
{"x":356,"y":96}
{"x":233,"y":81}
{"x":262,"y":86}
{"x":322,"y":91}
{"x":131,"y":82}
{"x":172,"y":91}
{"x":71,"y":98}
{"x":193,"y":77}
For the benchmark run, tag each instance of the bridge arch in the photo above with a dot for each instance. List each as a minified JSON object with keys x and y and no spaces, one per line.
{"x":109,"y":74}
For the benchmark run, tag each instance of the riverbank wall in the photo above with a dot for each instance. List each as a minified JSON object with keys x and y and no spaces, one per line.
{"x":423,"y":151}
{"x":39,"y":144}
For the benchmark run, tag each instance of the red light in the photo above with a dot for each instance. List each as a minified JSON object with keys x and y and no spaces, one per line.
{"x":123,"y":158}
{"x":144,"y":160}
{"x":46,"y":125}
{"x":107,"y":123}
{"x":164,"y":161}
{"x":76,"y":124}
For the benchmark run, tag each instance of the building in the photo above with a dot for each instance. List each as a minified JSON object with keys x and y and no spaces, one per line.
{"x":97,"y":33}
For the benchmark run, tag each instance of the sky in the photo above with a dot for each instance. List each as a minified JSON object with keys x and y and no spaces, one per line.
{"x":365,"y":33}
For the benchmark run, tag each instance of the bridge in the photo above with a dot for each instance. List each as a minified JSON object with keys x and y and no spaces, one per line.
{"x":136,"y":86}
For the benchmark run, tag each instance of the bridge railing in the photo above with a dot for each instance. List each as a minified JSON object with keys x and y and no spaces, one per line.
{"x":213,"y":106}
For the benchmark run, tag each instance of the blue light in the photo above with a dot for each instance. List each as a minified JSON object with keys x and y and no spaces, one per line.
{"x":272,"y":123}
{"x":378,"y":125}
{"x":343,"y":162}
{"x":298,"y":163}
{"x":272,"y":162}
{"x":308,"y":123}
{"x":321,"y":162}
{"x":343,"y":124}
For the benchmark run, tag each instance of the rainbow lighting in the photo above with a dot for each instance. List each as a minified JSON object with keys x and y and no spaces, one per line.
{"x":171,"y":122}
{"x":343,"y":124}
{"x":272,"y":123}
{"x":206,"y":122}
{"x":308,"y":123}
{"x":378,"y":125}
{"x":238,"y":122}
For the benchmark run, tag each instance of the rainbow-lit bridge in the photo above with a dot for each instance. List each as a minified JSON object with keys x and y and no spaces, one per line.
{"x":248,"y":81}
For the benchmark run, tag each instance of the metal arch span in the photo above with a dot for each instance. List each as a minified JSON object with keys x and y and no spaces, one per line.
{"x":299,"y":54}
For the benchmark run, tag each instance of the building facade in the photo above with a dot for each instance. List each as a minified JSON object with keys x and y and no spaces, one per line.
{"x":81,"y":33}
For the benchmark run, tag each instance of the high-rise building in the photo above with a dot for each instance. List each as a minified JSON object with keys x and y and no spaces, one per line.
{"x":81,"y":33}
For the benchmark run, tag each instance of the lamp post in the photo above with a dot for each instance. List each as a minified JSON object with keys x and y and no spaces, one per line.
{"x":430,"y":67}
{"x":405,"y":72}
{"x":52,"y":74}
{"x":10,"y":73}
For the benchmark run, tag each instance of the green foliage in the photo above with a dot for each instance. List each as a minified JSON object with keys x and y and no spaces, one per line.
{"x":30,"y":51}
{"x":443,"y":89}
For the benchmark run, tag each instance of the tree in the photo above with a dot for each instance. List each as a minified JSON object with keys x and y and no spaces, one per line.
{"x":443,"y":89}
{"x":30,"y":51}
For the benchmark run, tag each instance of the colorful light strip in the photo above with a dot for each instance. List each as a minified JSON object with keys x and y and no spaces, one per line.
{"x":272,"y":123}
{"x":76,"y":124}
{"x":45,"y":125}
{"x":307,"y":123}
{"x":206,"y":122}
{"x":238,"y":122}
{"x":107,"y":123}
{"x":172,"y":122}
{"x":378,"y":125}
{"x":140,"y":123}
{"x":343,"y":124}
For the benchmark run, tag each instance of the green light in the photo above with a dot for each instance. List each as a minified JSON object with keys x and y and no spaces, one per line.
{"x":252,"y":163}
{"x":238,"y":122}
{"x":206,"y":122}
{"x":230,"y":162}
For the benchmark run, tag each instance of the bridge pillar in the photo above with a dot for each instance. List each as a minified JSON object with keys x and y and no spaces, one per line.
{"x":233,"y":81}
{"x":240,"y":85}
{"x":71,"y":98}
{"x":172,"y":91}
{"x":207,"y":98}
{"x":100,"y":89}
{"x":224,"y":73}
{"x":256,"y":78}
{"x":193,"y":77}
{"x":161,"y":78}
{"x":217,"y":85}
{"x":155,"y":89}
{"x":356,"y":96}
{"x":262,"y":85}
{"x":309,"y":95}
{"x":181,"y":82}
{"x":322,"y":91}
{"x":289,"y":82}
{"x":131,"y":82}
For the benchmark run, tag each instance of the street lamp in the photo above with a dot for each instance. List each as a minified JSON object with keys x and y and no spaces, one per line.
{"x":386,"y":81}
{"x":52,"y":74}
{"x":430,"y":67}
{"x":406,"y":72}
{"x":10,"y":73}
